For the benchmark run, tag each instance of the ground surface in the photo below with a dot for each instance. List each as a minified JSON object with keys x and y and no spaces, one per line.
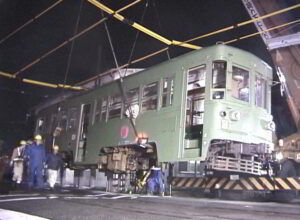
{"x":94,"y":204}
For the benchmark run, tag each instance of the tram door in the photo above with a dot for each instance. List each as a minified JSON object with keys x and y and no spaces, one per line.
{"x":83,"y":131}
{"x":195,"y":107}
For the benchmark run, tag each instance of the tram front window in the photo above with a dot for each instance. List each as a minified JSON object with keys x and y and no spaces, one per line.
{"x":218,"y":79}
{"x":240,"y":84}
{"x":260,"y":92}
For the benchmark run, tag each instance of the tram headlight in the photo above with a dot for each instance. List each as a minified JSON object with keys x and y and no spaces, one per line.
{"x":279,"y":156}
{"x":235,"y":115}
{"x":222,"y":113}
{"x":270,"y":126}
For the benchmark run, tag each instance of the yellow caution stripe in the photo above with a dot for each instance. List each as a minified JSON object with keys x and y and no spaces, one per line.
{"x":250,"y":183}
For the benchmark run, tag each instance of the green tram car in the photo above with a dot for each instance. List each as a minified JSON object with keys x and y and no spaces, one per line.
{"x":210,"y":105}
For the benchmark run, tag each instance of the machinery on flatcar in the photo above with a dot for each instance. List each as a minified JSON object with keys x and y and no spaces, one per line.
{"x":210,"y":105}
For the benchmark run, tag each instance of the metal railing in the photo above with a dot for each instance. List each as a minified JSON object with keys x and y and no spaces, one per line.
{"x":235,"y":164}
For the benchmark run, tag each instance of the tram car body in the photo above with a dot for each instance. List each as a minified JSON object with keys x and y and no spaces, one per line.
{"x":210,"y":105}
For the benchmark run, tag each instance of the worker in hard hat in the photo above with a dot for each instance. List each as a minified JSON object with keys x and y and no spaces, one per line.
{"x":54,"y":162}
{"x":155,"y":183}
{"x":17,"y":161}
{"x":37,"y":158}
{"x":27,"y":167}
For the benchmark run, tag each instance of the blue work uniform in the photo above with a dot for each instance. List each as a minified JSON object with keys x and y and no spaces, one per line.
{"x":37,"y":157}
{"x":54,"y":161}
{"x":155,"y":181}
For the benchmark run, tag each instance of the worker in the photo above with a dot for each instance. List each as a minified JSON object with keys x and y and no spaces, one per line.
{"x":37,"y":157}
{"x":17,"y":161}
{"x":54,"y":162}
{"x":155,"y":182}
{"x":27,"y":171}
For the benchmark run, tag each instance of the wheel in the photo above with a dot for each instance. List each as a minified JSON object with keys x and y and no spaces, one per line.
{"x":287,"y":170}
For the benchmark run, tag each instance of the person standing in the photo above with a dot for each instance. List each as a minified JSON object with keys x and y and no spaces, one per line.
{"x":155,"y":182}
{"x":26,"y":173}
{"x":54,"y":162}
{"x":17,"y":161}
{"x":37,"y":158}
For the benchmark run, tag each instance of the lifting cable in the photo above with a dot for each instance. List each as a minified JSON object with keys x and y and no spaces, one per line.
{"x":13,"y":76}
{"x":136,"y":37}
{"x":72,"y":44}
{"x":70,"y":40}
{"x":51,"y":85}
{"x":159,"y":24}
{"x":120,"y":81}
{"x":141,"y":28}
{"x":30,"y":21}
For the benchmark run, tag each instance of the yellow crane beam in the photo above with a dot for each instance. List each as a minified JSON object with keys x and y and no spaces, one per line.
{"x":141,"y":28}
{"x":30,"y":21}
{"x":39,"y":83}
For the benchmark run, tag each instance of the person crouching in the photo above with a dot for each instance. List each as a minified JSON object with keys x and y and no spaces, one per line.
{"x":54,"y":162}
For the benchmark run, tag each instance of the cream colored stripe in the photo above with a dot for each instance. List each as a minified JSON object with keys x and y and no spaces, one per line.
{"x":238,"y":187}
{"x":246,"y":184}
{"x":294,"y":182}
{"x":282,"y":183}
{"x":220,"y":183}
{"x":212,"y":181}
{"x":229,"y":184}
{"x":189,"y":182}
{"x":267,"y":183}
{"x":198,"y":182}
{"x":256,"y":184}
{"x":181,"y":182}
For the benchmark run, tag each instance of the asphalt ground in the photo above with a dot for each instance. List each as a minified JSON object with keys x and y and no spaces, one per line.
{"x":96,"y":204}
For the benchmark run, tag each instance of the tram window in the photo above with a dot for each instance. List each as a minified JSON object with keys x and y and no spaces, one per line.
{"x":196,"y":77}
{"x":103,"y":110}
{"x":97,"y":110}
{"x":54,"y":123}
{"x":72,"y":118}
{"x":240,"y":84}
{"x":168,"y":92}
{"x":115,"y":107}
{"x":133,"y":96}
{"x":149,"y":101}
{"x":260,"y":92}
{"x":40,"y":125}
{"x":219,"y":74}
{"x":63,"y":121}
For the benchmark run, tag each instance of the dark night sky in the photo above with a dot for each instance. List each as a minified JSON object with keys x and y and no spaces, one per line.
{"x":179,"y":20}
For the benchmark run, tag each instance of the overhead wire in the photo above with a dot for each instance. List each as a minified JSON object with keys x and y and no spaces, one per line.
{"x":260,"y":32}
{"x":144,"y":57}
{"x":244,"y":23}
{"x":39,"y":83}
{"x":30,"y":21}
{"x":71,"y":39}
{"x":142,"y":28}
{"x":166,"y":48}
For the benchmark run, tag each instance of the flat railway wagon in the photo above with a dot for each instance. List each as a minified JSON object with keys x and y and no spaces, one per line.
{"x":210,"y":105}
